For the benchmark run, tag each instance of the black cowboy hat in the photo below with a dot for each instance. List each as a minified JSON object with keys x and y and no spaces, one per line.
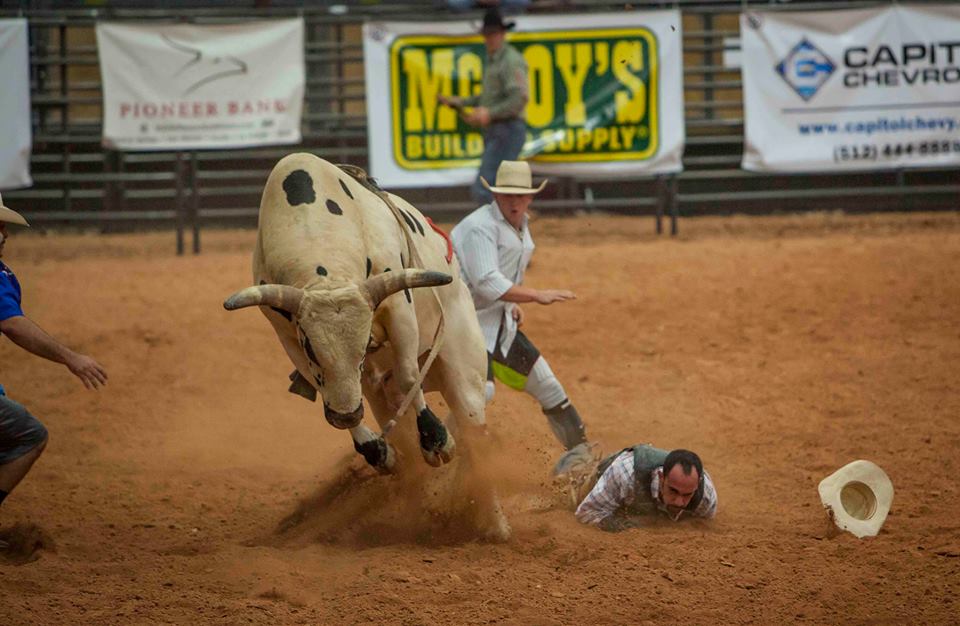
{"x":493,"y":21}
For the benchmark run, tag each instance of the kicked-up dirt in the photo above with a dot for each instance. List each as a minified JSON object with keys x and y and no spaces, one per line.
{"x":195,"y":489}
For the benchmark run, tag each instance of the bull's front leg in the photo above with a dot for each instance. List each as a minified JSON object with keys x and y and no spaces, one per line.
{"x":436,"y":443}
{"x":374,"y":448}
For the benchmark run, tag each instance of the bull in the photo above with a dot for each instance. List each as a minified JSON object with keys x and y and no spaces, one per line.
{"x":356,"y":290}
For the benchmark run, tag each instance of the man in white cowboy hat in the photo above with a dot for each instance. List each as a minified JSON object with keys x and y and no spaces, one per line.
{"x":494,"y":246}
{"x":500,"y":109}
{"x":22,"y":436}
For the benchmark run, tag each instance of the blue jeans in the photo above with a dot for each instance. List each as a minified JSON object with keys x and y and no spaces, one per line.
{"x":502,"y":141}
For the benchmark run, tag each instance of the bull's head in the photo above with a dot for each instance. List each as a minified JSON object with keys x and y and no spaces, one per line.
{"x":333,"y":326}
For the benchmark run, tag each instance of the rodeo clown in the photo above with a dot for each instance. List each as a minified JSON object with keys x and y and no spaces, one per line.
{"x":494,"y":246}
{"x":22,"y":436}
{"x":641,"y":481}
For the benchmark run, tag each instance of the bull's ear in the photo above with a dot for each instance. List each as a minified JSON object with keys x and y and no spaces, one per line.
{"x":378,"y":287}
{"x":282,"y":297}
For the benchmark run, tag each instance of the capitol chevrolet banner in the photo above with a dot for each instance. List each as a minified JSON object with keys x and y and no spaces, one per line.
{"x":606,"y":96}
{"x":182,"y":86}
{"x":16,"y":142}
{"x":852,"y":90}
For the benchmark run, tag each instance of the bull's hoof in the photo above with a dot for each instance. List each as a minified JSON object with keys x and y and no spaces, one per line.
{"x":436,"y":443}
{"x":379,"y":454}
{"x":444,"y":454}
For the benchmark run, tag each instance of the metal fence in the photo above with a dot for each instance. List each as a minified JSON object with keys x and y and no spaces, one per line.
{"x":78,"y":182}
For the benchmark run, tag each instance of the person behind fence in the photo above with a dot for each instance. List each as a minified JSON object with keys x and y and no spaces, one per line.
{"x":494,"y":246}
{"x":22,"y":437}
{"x":500,"y":108}
{"x":626,"y":487}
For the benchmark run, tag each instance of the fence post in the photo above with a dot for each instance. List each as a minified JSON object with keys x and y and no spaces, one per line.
{"x":180,"y":209}
{"x":674,"y":204}
{"x":661,"y":190}
{"x":195,"y":201}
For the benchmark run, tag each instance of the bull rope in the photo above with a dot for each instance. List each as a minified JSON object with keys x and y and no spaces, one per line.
{"x":361,"y":176}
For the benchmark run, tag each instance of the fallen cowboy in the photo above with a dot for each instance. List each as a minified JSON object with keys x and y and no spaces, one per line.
{"x":639,"y":482}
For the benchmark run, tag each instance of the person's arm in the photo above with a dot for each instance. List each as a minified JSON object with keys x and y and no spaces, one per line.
{"x":32,"y":338}
{"x":478,"y":258}
{"x":600,"y":507}
{"x":477,"y":253}
{"x":519,"y":294}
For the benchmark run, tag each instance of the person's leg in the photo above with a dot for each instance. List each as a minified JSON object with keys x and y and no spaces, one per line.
{"x":489,"y":163}
{"x":22,"y":440}
{"x":562,"y":416}
{"x":516,"y":137}
{"x":502,"y":141}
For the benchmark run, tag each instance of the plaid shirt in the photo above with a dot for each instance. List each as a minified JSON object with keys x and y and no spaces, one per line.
{"x":618,"y":486}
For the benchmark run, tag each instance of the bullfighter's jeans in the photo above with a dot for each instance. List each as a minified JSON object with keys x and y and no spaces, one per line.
{"x":502,"y":141}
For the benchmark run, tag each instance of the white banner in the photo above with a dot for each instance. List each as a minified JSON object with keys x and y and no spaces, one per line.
{"x":606,"y":96}
{"x":852,"y":90}
{"x":181,"y":86}
{"x":16,"y":141}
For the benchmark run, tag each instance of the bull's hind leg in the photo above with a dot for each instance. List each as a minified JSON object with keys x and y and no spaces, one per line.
{"x":463,"y":389}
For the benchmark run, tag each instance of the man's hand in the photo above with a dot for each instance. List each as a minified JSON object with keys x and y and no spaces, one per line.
{"x":450,"y":101}
{"x":549,"y":296}
{"x":518,"y":315}
{"x":617,"y":523}
{"x":87,"y":370}
{"x":479,"y":116}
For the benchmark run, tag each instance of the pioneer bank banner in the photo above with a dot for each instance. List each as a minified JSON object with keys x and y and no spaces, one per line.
{"x":16,"y":140}
{"x":181,"y":86}
{"x":860,"y":89}
{"x":606,"y":96}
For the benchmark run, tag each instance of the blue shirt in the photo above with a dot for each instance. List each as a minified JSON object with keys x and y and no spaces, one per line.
{"x":9,"y":297}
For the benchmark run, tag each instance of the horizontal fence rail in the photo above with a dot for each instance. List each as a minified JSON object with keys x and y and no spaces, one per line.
{"x":79,"y":183}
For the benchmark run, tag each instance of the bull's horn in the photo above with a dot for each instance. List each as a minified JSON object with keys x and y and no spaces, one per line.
{"x":282,"y":297}
{"x":382,"y":285}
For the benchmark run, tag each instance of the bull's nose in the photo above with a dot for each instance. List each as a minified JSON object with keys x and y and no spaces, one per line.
{"x":343,"y":420}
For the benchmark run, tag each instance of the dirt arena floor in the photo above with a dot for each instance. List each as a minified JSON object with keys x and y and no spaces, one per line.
{"x":195,"y":489}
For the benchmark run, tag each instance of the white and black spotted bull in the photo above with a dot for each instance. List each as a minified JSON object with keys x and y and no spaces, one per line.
{"x":331,"y":269}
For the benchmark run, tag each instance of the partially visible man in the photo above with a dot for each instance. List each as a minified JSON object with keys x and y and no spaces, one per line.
{"x":641,"y":481}
{"x":500,"y":108}
{"x":494,"y":246}
{"x":22,"y":436}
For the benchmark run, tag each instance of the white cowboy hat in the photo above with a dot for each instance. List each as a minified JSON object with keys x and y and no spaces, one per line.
{"x":859,"y":496}
{"x":513,"y":177}
{"x":9,"y":215}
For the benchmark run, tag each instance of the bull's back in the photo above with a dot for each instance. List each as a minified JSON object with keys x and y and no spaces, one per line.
{"x":308,"y":225}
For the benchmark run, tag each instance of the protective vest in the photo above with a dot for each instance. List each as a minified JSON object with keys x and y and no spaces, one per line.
{"x":646,"y":459}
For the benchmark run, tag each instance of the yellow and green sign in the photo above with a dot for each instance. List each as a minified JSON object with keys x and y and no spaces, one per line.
{"x":594,"y":96}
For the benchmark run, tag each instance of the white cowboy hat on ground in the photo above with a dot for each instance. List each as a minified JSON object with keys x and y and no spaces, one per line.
{"x":859,"y":495}
{"x":11,"y":216}
{"x":514,"y":177}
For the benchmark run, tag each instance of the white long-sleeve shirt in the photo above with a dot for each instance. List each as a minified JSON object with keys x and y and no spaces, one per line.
{"x":618,"y":486}
{"x":493,"y":257}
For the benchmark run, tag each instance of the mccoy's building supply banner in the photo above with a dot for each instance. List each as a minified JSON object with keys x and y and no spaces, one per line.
{"x":606,"y":96}
{"x":182,"y":86}
{"x":845,"y":90}
{"x":16,"y":141}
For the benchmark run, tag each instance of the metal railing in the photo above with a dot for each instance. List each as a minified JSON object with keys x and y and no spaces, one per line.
{"x":79,"y":182}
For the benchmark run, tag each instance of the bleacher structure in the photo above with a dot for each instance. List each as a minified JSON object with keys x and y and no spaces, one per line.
{"x":79,"y":183}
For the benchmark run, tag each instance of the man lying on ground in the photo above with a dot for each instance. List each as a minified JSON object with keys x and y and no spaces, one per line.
{"x":642,"y":481}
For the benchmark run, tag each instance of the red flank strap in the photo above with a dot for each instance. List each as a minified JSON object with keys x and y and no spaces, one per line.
{"x":445,"y":236}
